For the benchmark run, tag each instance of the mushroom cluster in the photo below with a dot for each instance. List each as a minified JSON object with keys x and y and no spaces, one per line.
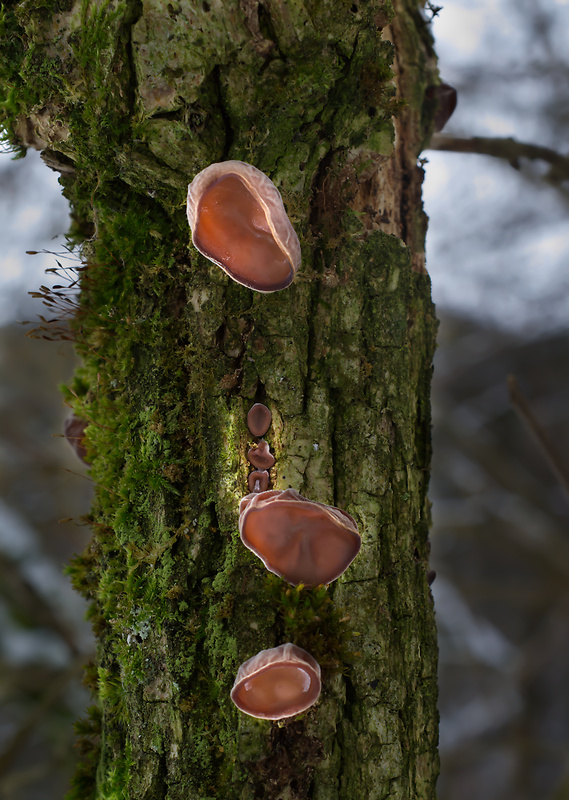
{"x":239,"y":222}
{"x":259,"y":456}
{"x":304,"y":542}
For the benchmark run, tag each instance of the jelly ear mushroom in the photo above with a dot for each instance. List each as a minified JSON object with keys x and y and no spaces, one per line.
{"x":238,"y":221}
{"x":277,"y":683}
{"x":74,"y":432}
{"x":259,"y":419}
{"x":445,"y":97}
{"x":298,"y":539}
{"x":260,"y":456}
{"x":258,"y":480}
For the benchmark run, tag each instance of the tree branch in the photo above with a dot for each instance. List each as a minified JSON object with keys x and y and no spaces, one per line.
{"x":508,"y":149}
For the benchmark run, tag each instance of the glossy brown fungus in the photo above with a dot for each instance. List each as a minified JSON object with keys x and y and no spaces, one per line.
{"x":444,"y":96}
{"x":260,"y":456}
{"x":239,"y":222}
{"x":258,"y":480}
{"x":259,"y":419}
{"x":277,"y":683}
{"x":298,"y":539}
{"x":74,"y":432}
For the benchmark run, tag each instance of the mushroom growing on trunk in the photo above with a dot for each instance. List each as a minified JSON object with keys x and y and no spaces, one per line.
{"x":259,"y":419}
{"x":298,"y":539}
{"x":239,"y":222}
{"x":260,"y":456}
{"x":258,"y":480}
{"x":277,"y":683}
{"x":74,"y":432}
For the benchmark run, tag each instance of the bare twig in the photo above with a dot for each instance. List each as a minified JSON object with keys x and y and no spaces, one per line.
{"x":521,"y":406}
{"x":507,"y":149}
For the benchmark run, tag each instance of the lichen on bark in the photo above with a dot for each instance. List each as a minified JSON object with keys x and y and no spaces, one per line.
{"x":135,"y":98}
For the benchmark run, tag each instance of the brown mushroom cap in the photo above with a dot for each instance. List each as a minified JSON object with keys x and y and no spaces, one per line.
{"x":260,"y":478}
{"x":259,"y":419}
{"x":74,"y":432}
{"x":260,"y":456}
{"x":277,"y":683}
{"x":239,"y":222}
{"x":298,"y":539}
{"x":445,"y":97}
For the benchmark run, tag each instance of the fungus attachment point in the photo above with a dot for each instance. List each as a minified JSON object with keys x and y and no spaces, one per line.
{"x":258,"y":420}
{"x":238,"y":221}
{"x":258,"y":480}
{"x":277,"y":683}
{"x":298,"y":539}
{"x":260,"y":456}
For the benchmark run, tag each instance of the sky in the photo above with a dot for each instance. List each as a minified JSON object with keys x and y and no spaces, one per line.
{"x":34,"y":215}
{"x":498,"y":245}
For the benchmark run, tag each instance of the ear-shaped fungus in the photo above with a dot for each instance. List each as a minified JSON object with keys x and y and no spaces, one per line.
{"x":277,"y":683}
{"x":74,"y":432}
{"x":258,"y":480}
{"x":445,"y":97}
{"x":238,"y":221}
{"x":298,"y":539}
{"x":260,"y":456}
{"x":259,"y":419}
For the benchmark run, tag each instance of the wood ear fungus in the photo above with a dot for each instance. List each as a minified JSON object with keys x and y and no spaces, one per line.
{"x":259,"y":419}
{"x":258,"y":480}
{"x":260,"y":456}
{"x":277,"y":683}
{"x":74,"y":432}
{"x":239,"y":222}
{"x":445,"y":96}
{"x":298,"y":539}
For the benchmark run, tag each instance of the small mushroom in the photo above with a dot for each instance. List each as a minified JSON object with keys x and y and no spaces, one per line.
{"x":259,"y":419}
{"x":239,"y":222}
{"x":277,"y":683}
{"x":258,"y":480}
{"x":445,"y":97}
{"x":260,"y":456}
{"x":74,"y":432}
{"x":298,"y":539}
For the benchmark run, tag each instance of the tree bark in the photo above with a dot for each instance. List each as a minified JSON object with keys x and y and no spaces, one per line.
{"x":131,"y":100}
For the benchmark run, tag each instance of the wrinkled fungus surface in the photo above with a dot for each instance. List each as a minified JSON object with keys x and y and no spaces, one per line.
{"x":238,"y":221}
{"x":258,"y":421}
{"x":277,"y":683}
{"x":298,"y":539}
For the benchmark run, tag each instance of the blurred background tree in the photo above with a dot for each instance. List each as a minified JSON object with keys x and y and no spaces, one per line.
{"x":498,"y":253}
{"x":498,"y":248}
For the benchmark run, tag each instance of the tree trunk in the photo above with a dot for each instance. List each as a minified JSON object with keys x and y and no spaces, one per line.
{"x":131,"y":99}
